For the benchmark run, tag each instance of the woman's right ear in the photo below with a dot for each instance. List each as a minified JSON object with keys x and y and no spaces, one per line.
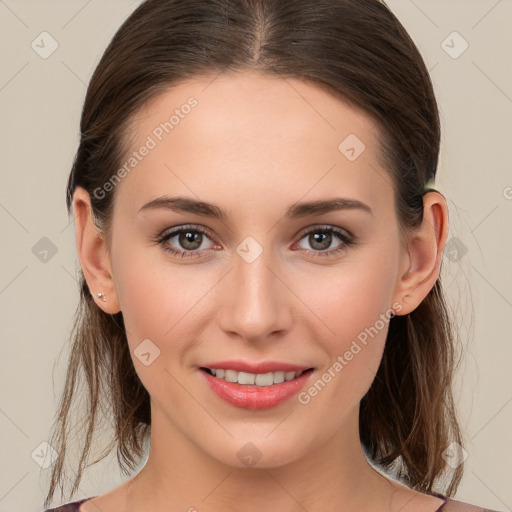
{"x":92,"y":252}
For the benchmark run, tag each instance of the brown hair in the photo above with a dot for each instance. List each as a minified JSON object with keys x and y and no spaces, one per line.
{"x":357,"y":50}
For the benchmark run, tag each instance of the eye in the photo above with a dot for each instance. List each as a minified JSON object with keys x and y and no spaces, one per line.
{"x":320,"y":239}
{"x":190,"y":238}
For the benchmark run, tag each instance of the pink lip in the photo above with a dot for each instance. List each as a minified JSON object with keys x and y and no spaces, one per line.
{"x":254,"y":397}
{"x":264,"y":367}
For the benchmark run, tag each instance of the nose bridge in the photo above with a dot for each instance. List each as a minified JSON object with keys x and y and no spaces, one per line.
{"x":255,"y":306}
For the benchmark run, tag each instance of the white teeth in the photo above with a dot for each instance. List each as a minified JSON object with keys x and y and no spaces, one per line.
{"x":246,"y":378}
{"x":231,"y":376}
{"x":278,"y":377}
{"x":251,"y":379}
{"x":264,"y":379}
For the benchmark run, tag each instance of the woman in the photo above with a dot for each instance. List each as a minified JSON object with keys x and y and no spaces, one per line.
{"x":260,"y":244}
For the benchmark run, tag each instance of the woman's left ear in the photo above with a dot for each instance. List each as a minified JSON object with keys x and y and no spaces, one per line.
{"x":421,"y":265}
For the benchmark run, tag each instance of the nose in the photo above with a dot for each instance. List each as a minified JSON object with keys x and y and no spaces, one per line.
{"x":256,"y":301}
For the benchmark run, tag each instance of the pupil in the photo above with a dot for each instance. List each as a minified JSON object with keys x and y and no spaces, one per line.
{"x":191,"y":238}
{"x":325,"y":242}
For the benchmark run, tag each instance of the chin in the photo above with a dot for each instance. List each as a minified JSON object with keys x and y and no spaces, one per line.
{"x":258,"y":452}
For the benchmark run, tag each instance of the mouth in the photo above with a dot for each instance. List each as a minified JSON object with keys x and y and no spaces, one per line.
{"x":254,"y":379}
{"x":258,"y":389}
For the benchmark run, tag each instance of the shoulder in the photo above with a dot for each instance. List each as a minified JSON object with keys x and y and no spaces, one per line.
{"x":72,"y":506}
{"x":459,"y":506}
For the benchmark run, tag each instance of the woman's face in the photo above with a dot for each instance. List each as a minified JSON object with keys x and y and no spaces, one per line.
{"x":252,"y":289}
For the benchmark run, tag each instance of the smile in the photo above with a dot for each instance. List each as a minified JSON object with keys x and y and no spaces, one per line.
{"x":254,"y":379}
{"x":256,"y":390}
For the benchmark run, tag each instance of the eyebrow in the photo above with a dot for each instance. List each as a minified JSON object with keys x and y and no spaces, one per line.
{"x":297,"y":210}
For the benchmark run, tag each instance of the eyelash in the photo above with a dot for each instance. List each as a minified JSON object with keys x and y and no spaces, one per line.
{"x":345,"y":237}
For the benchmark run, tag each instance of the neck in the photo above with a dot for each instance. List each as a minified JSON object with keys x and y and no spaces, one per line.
{"x":181,"y":476}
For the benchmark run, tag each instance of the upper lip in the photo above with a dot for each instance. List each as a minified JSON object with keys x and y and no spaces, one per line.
{"x":262,"y":367}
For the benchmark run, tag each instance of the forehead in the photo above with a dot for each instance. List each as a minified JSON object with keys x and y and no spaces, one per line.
{"x":252,"y":134}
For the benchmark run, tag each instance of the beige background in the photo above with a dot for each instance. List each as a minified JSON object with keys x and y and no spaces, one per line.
{"x":41,"y":100}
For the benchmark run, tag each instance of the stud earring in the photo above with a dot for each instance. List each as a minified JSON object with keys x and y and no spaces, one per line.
{"x":102,"y":297}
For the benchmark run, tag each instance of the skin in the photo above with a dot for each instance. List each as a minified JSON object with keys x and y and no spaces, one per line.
{"x":254,"y":145}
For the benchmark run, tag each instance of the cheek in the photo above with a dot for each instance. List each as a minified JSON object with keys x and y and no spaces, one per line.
{"x":159,"y":300}
{"x":155,"y":303}
{"x":352,"y":310}
{"x":350,"y":299}
{"x":359,"y":319}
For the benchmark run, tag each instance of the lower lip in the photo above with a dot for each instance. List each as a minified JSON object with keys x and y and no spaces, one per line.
{"x":255,"y":397}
